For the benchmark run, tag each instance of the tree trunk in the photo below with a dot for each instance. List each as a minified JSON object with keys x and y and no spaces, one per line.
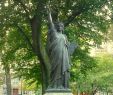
{"x":36,"y":23}
{"x":8,"y":80}
{"x":39,"y":49}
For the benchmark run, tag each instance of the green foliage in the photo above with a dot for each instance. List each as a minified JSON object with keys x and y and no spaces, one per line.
{"x":85,"y":20}
{"x":110,"y":34}
{"x":105,"y":71}
{"x":99,"y":78}
{"x":19,"y":56}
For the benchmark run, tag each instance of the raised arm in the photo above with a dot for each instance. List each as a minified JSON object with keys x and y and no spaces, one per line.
{"x":50,"y":21}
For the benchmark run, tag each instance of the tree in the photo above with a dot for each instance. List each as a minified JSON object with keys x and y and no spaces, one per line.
{"x":84,"y":21}
{"x":99,"y":78}
{"x":15,"y":55}
{"x":6,"y":66}
{"x":104,"y":75}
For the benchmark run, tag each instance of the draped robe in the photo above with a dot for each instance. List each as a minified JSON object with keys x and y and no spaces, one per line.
{"x":57,"y":47}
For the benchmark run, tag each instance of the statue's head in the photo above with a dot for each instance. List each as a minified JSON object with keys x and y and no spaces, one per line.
{"x":59,"y":26}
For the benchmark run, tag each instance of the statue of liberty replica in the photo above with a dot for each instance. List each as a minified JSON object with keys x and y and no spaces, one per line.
{"x":58,"y":49}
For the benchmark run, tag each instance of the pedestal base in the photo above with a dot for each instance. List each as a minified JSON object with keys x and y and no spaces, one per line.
{"x":58,"y":92}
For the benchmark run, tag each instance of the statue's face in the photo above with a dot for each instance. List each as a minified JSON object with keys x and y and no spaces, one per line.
{"x":60,"y":27}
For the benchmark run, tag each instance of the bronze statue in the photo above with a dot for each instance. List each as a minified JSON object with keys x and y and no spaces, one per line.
{"x":57,"y":48}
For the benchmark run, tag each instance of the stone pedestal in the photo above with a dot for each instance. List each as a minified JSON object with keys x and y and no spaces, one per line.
{"x":58,"y":92}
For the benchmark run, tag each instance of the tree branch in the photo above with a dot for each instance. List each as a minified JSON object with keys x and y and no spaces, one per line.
{"x":25,"y":37}
{"x":81,"y":9}
{"x":72,"y":17}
